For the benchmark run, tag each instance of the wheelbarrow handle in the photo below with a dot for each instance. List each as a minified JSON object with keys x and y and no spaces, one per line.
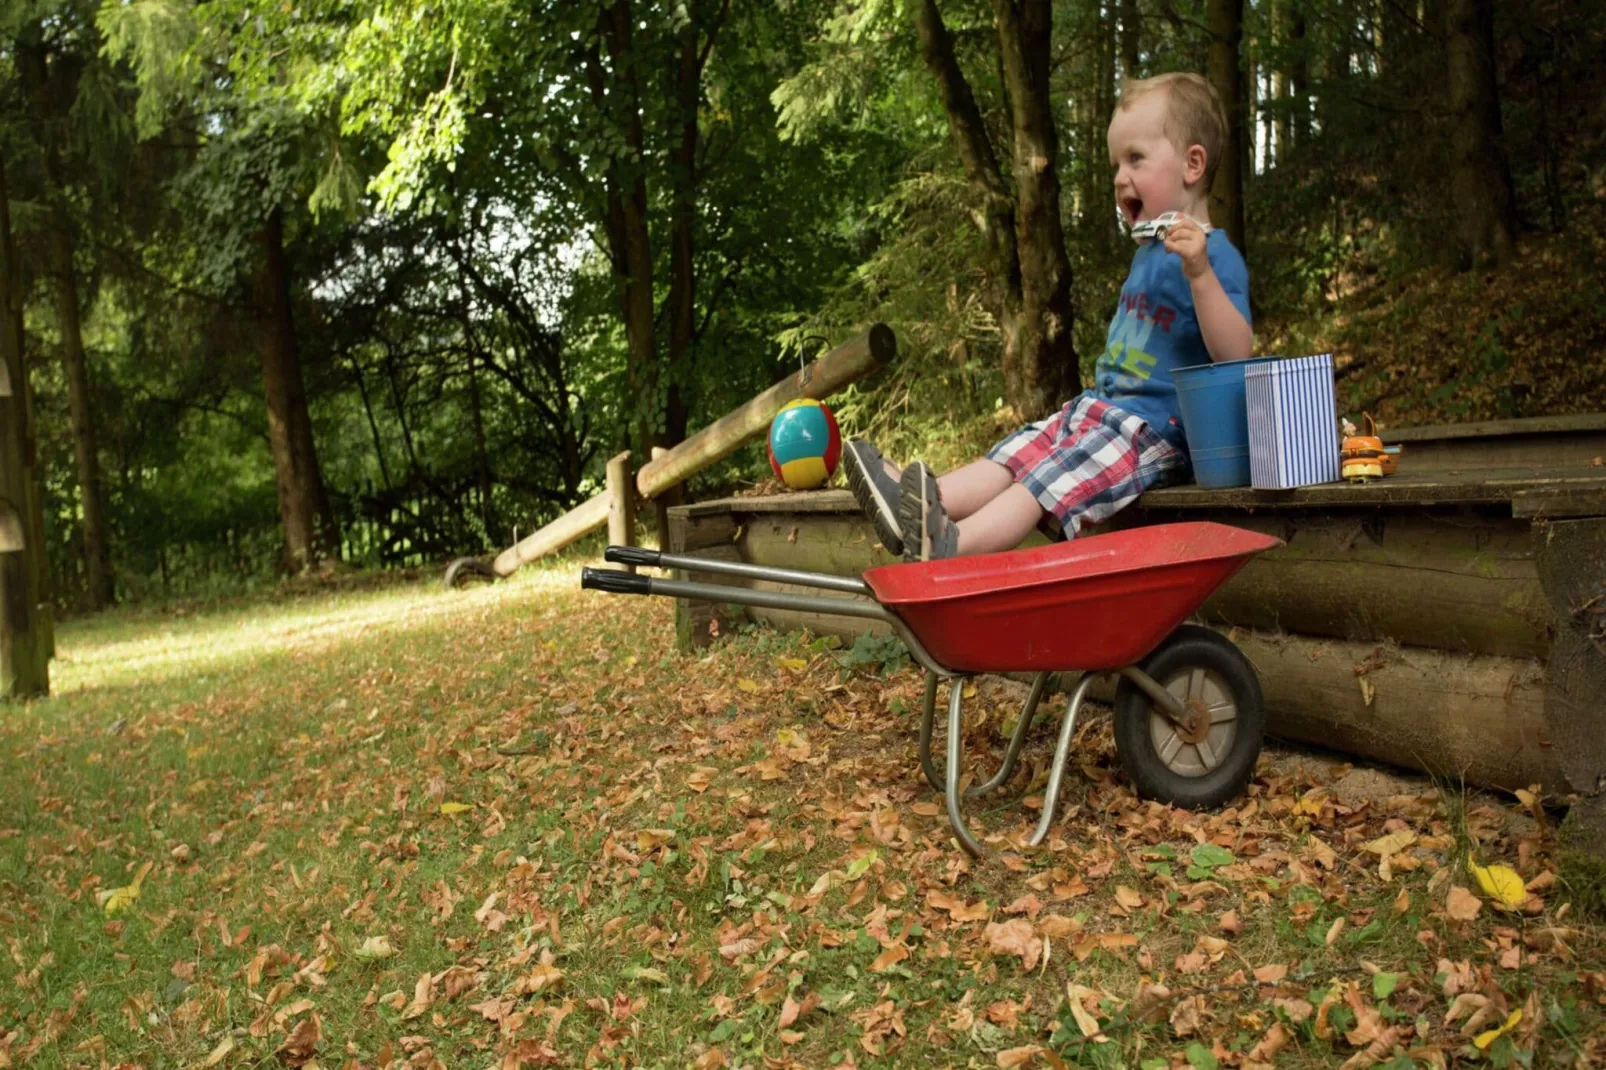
{"x":614,"y":581}
{"x":631,"y":555}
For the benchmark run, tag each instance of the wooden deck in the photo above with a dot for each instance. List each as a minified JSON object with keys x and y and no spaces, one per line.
{"x":1451,"y":617}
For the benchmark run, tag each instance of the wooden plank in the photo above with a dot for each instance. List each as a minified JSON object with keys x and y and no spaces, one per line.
{"x":1574,"y":423}
{"x":578,"y":522}
{"x":1405,"y":489}
{"x":808,"y":501}
{"x":1557,"y":502}
{"x":1453,"y":487}
{"x":847,"y":363}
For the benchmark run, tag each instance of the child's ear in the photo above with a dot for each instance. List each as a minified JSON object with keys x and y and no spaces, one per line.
{"x":1193,"y":164}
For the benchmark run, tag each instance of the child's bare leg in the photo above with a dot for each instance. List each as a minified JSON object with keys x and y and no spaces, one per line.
{"x":966,"y":491}
{"x":1002,"y":522}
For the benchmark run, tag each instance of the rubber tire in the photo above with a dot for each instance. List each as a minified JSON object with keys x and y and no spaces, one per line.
{"x":1191,"y":646}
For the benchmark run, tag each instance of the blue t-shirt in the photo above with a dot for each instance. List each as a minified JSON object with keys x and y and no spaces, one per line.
{"x":1155,"y":331}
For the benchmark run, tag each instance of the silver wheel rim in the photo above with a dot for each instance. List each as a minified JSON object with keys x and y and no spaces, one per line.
{"x":1204,"y":757}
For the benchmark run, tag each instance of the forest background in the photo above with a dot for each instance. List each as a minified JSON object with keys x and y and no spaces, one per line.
{"x":382,"y":282}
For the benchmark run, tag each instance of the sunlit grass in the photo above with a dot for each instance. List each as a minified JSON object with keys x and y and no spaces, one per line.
{"x":525,"y":777}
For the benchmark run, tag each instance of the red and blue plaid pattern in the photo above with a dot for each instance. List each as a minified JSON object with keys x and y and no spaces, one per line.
{"x":1088,"y":461}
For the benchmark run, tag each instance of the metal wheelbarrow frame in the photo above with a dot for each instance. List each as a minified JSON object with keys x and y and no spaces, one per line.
{"x":948,"y":598}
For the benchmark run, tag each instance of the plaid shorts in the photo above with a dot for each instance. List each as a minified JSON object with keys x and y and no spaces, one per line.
{"x":1088,"y":461}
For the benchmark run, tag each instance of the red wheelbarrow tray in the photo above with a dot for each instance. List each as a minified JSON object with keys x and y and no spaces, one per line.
{"x":1094,"y":604}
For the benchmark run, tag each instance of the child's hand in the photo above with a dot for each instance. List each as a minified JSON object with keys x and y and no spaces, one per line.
{"x":1187,"y":240}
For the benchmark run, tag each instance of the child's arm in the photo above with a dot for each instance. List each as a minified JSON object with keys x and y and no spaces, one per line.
{"x":1227,"y":335}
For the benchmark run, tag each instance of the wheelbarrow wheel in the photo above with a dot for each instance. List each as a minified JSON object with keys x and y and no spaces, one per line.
{"x":1209,"y":763}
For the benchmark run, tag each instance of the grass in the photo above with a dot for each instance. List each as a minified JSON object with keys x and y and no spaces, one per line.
{"x":513,"y":825}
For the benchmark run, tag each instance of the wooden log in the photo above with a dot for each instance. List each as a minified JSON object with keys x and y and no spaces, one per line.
{"x":845,"y":364}
{"x":1572,"y":564}
{"x":1475,"y":717}
{"x":699,"y":623}
{"x":576,"y":523}
{"x":1458,"y":581}
{"x":621,"y":503}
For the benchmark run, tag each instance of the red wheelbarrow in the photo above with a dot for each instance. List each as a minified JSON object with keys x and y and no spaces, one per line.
{"x":1188,"y":710}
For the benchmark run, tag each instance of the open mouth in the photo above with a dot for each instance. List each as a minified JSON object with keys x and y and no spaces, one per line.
{"x":1132,"y":208}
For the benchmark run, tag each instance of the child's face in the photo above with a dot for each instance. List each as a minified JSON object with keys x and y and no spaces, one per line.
{"x":1151,"y":174}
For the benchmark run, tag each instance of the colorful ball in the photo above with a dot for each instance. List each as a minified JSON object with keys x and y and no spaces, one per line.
{"x":804,"y":444}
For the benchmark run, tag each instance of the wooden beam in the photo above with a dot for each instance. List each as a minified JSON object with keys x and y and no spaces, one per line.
{"x":575,"y":524}
{"x":845,"y":364}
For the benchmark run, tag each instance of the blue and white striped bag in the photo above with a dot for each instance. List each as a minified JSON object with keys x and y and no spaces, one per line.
{"x":1293,"y":422}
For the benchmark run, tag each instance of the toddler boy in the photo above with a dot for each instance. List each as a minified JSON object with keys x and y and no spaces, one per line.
{"x":1184,"y":302}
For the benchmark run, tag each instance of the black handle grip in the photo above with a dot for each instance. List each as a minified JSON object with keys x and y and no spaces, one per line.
{"x":614,"y":582}
{"x":631,"y":555}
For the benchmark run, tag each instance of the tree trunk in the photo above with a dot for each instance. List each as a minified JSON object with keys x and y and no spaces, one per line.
{"x":97,"y":558}
{"x":1045,"y":371}
{"x":48,"y":106}
{"x":1486,"y":225}
{"x":1299,"y":81}
{"x":992,"y":208}
{"x":26,"y":636}
{"x":682,"y":278}
{"x":1131,"y":33}
{"x":1227,"y":193}
{"x":632,"y":252}
{"x":309,"y":526}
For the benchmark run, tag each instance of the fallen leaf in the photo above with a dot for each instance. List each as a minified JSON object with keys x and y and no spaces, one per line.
{"x":795,"y":664}
{"x":116,"y":900}
{"x":224,"y":1046}
{"x":301,"y":1046}
{"x":1021,"y":1056}
{"x":1296,"y":1010}
{"x":1266,"y":1049}
{"x":1128,"y":897}
{"x":647,"y":839}
{"x":423,"y":996}
{"x":1186,"y":1016}
{"x":1462,"y":905}
{"x":890,"y":957}
{"x":747,"y":685}
{"x":1015,"y":937}
{"x":1229,"y":923}
{"x":1085,"y":1021}
{"x":958,"y":909}
{"x":375,"y":947}
{"x":1392,"y":844}
{"x":1502,"y":883}
{"x":1483,"y":1040}
{"x":450,"y":808}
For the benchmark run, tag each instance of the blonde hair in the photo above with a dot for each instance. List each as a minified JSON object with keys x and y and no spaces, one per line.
{"x":1194,"y":115}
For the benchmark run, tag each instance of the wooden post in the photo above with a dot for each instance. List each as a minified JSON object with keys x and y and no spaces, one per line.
{"x":621,"y":503}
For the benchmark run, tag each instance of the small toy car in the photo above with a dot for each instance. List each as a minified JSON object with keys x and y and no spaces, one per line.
{"x":1157,"y":228}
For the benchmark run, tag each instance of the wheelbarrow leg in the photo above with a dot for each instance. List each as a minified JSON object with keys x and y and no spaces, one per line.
{"x":927,"y":716}
{"x":1012,"y":755}
{"x":1062,"y":753}
{"x":956,"y":698}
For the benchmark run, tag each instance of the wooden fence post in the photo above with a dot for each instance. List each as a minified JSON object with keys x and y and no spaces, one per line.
{"x":621,"y":503}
